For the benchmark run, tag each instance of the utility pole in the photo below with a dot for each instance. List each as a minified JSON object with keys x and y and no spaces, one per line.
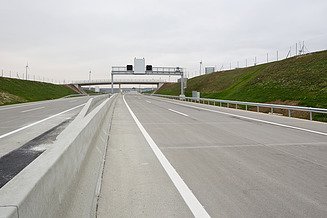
{"x":90,"y":79}
{"x":112,"y":83}
{"x":182,"y":82}
{"x":26,"y":70}
{"x":267,"y":58}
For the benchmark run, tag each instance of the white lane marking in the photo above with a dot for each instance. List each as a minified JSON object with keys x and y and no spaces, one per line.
{"x":254,"y":119}
{"x":178,"y":112}
{"x":18,"y":106}
{"x":189,"y":198}
{"x":317,"y":144}
{"x":8,"y":107}
{"x":34,"y":109}
{"x":40,"y":121}
{"x":148,"y":101}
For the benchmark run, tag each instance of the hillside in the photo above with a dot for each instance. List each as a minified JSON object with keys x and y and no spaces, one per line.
{"x":300,"y":80}
{"x":17,"y":91}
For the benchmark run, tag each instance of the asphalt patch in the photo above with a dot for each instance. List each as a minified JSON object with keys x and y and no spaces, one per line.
{"x":15,"y":161}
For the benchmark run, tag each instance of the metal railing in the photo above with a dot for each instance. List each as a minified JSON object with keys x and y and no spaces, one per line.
{"x":119,"y":80}
{"x":228,"y":103}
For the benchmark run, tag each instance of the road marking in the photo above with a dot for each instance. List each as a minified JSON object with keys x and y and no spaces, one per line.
{"x":148,"y":101}
{"x":322,"y":144}
{"x":18,"y":106}
{"x":178,"y":112}
{"x":192,"y":202}
{"x":8,"y":107}
{"x":34,"y":109}
{"x":40,"y":121}
{"x":253,"y":119}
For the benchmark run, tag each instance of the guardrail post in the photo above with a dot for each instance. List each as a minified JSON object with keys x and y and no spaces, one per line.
{"x":258,"y":109}
{"x":272,"y":110}
{"x":208,"y":102}
{"x":235,"y":106}
{"x":214,"y":103}
{"x":310,"y":115}
{"x":220,"y":104}
{"x":289,"y":113}
{"x":228,"y":105}
{"x":246,"y":107}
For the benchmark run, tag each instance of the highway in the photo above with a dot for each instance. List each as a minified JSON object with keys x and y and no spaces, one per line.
{"x":168,"y":158}
{"x":21,"y":123}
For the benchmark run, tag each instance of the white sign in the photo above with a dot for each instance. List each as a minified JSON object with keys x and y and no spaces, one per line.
{"x":139,"y":66}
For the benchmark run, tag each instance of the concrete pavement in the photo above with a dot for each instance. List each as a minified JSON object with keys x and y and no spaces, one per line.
{"x":28,"y":130}
{"x":15,"y":118}
{"x":134,"y":183}
{"x":235,"y":166}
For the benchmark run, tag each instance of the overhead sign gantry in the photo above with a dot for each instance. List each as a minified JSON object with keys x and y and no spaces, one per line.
{"x":140,"y":68}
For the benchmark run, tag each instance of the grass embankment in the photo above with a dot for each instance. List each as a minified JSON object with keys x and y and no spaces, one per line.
{"x":17,"y":91}
{"x":300,"y":80}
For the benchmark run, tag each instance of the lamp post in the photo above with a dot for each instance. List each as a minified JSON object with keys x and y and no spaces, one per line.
{"x":90,"y":79}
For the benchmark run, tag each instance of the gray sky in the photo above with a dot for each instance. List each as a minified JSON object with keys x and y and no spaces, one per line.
{"x":64,"y":39}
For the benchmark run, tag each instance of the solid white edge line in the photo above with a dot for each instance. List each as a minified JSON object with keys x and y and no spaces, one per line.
{"x":192,"y":202}
{"x":20,"y":105}
{"x":178,"y":112}
{"x":40,"y":121}
{"x":254,"y":119}
{"x":33,"y":109}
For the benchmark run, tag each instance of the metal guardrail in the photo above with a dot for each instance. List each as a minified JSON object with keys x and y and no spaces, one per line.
{"x":119,"y":80}
{"x":219,"y":102}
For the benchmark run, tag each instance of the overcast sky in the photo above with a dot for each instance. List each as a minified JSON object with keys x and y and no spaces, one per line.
{"x":64,"y":39}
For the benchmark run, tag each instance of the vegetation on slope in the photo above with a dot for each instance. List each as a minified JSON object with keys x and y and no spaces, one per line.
{"x":17,"y":91}
{"x":300,"y":80}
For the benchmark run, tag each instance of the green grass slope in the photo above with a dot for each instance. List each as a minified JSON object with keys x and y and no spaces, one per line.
{"x":17,"y":91}
{"x":300,"y":80}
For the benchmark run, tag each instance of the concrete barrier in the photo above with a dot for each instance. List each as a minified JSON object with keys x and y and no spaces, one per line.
{"x":64,"y":180}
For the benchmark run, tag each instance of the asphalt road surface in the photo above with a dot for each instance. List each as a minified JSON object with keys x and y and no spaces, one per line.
{"x":170,"y":158}
{"x":21,"y":123}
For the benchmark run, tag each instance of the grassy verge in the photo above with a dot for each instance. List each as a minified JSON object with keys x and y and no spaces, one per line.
{"x":300,"y":80}
{"x":17,"y":91}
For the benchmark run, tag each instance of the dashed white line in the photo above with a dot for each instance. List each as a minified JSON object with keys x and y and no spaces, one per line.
{"x":40,"y":121}
{"x":34,"y":109}
{"x":148,"y":101}
{"x":192,"y":202}
{"x":20,"y":105}
{"x":178,"y":112}
{"x":250,"y":118}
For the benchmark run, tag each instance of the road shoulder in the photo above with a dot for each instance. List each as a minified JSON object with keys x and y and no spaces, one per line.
{"x":134,"y":183}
